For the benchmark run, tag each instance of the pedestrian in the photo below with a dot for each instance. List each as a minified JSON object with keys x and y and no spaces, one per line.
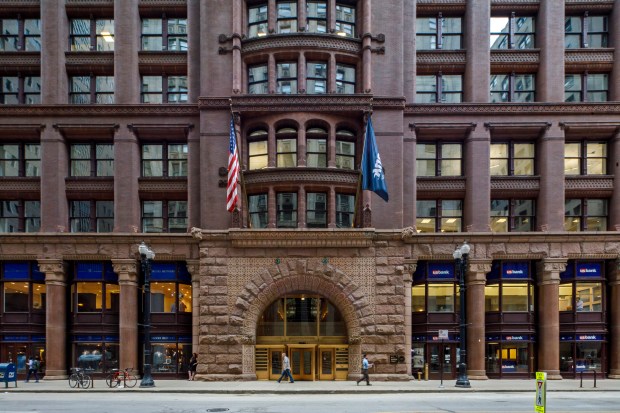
{"x":33,"y":368}
{"x":365,"y":366}
{"x":191,"y":370}
{"x":286,"y":369}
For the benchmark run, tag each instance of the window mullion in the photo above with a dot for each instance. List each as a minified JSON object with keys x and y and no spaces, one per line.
{"x":438,"y":88}
{"x":164,"y":160}
{"x":20,"y":34}
{"x":438,"y":215}
{"x":21,"y":221}
{"x":164,"y":218}
{"x":584,"y":214}
{"x":512,"y":30}
{"x":164,"y":88}
{"x":584,"y":32}
{"x":439,"y":31}
{"x":164,"y":32}
{"x":93,"y":34}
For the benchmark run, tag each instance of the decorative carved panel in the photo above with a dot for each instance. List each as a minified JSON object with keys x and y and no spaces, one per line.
{"x":589,"y":59}
{"x":440,"y":185}
{"x":446,"y":61}
{"x":300,"y":41}
{"x":99,"y":110}
{"x":588,"y":186}
{"x":518,"y":61}
{"x":317,"y":177}
{"x":20,"y":185}
{"x":604,"y":108}
{"x":296,"y":239}
{"x":89,"y":185}
{"x":27,"y":62}
{"x":163,"y":185}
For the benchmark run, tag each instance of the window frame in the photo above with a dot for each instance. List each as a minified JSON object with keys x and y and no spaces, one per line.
{"x":324,"y":211}
{"x":512,"y":216}
{"x":94,"y":39}
{"x":292,"y":19}
{"x":439,"y":158}
{"x":316,"y":18}
{"x":348,"y":137}
{"x":512,"y":92}
{"x":258,"y":136}
{"x":261,"y":24}
{"x":164,"y":92}
{"x":583,"y":158}
{"x":165,"y":217}
{"x":345,"y":28}
{"x":94,"y":221}
{"x":252,"y":84}
{"x":583,"y":216}
{"x":93,"y":93}
{"x":165,"y":34}
{"x":292,"y":79}
{"x":584,"y":33}
{"x":342,"y":84}
{"x":258,"y":212}
{"x":284,"y":134}
{"x":93,"y":159}
{"x":22,"y":160}
{"x":21,"y":95}
{"x":25,"y":223}
{"x":440,"y":91}
{"x":439,"y":217}
{"x":512,"y":157}
{"x":439,"y":34}
{"x":341,"y":212}
{"x":513,"y":34}
{"x":165,"y":160}
{"x":315,"y":79}
{"x":21,"y":39}
{"x":294,"y":211}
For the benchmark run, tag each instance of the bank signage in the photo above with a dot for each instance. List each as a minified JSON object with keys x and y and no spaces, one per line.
{"x":520,"y":270}
{"x":588,"y":269}
{"x":440,"y":270}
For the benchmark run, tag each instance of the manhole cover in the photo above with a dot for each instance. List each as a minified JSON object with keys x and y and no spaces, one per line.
{"x":218,"y":409}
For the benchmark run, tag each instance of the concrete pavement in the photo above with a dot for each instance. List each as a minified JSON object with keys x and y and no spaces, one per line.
{"x":322,"y":387}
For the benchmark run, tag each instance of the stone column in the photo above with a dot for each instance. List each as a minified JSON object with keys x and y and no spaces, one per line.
{"x":614,"y":169}
{"x":301,"y":207}
{"x":272,"y":15}
{"x":237,"y":63}
{"x":55,"y":35}
{"x":193,"y":266}
{"x":193,"y":50}
{"x":127,"y":270}
{"x":126,"y":46}
{"x":549,"y":316}
{"x":550,"y":38}
{"x":193,"y":177}
{"x":477,"y":51}
{"x":271,"y":147}
{"x":55,"y":318}
{"x":54,"y":170}
{"x":408,"y":282}
{"x":301,"y":15}
{"x":271,"y":208}
{"x":331,"y":74}
{"x":613,"y":348}
{"x":366,"y":48}
{"x":614,"y":39}
{"x":331,"y":146}
{"x":301,"y":73}
{"x":409,"y":179}
{"x":550,"y":206}
{"x":331,"y":16}
{"x":302,"y":146}
{"x":331,"y":207}
{"x":272,"y":74}
{"x":477,"y":208}
{"x":126,"y":194}
{"x":475,"y":282}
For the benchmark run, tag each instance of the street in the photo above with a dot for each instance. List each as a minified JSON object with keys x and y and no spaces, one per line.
{"x":82,"y":401}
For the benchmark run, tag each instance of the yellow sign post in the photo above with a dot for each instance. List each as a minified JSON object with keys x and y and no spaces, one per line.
{"x":541,"y":392}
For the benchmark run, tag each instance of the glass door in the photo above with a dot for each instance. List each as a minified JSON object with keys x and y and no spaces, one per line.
{"x":442,"y":361}
{"x":302,"y":362}
{"x":327,"y":358}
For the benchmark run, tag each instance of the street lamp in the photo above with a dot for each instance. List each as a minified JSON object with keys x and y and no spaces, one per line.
{"x":460,"y":257}
{"x":146,"y":258}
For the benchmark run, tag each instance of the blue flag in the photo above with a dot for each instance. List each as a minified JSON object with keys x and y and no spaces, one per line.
{"x":373,"y":175}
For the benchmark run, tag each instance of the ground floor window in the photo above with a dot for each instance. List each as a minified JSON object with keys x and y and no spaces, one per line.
{"x":171,"y":356}
{"x":505,"y":358}
{"x":96,"y":356}
{"x":18,"y":349}
{"x":585,"y":353}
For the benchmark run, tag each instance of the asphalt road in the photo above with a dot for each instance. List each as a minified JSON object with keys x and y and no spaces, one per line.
{"x":288,"y":403}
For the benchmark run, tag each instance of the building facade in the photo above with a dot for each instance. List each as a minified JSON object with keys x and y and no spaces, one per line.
{"x":497,"y":123}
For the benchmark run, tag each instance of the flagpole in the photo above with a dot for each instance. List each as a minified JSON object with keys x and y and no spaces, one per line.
{"x":359,"y":177}
{"x":241,"y":178}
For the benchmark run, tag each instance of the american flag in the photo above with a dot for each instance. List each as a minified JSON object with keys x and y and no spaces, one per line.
{"x":232,"y":198}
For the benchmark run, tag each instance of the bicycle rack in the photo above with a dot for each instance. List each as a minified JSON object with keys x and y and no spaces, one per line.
{"x":581,"y":377}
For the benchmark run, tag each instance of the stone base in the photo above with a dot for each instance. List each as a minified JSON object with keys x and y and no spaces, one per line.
{"x":226,"y":377}
{"x":55,"y":375}
{"x":553,"y":374}
{"x":381,"y":377}
{"x":477,"y":375}
{"x":614,"y":374}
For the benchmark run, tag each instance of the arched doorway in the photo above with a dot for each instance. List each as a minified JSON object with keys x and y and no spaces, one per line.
{"x":311,"y":330}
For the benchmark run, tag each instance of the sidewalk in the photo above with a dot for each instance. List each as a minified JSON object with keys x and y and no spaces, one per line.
{"x":321,"y":387}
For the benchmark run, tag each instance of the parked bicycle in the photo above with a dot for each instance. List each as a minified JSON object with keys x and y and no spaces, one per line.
{"x":121,"y":376}
{"x":79,"y":379}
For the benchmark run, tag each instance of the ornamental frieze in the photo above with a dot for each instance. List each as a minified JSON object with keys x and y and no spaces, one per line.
{"x":166,"y":185}
{"x":300,"y":103}
{"x":584,"y":185}
{"x":78,"y":60}
{"x":573,"y":6}
{"x":20,"y":185}
{"x":306,"y":239}
{"x":514,"y":184}
{"x":20,"y":60}
{"x":588,"y":59}
{"x":518,"y":6}
{"x":162,"y":58}
{"x":298,"y":41}
{"x":445,"y":6}
{"x":296,"y":175}
{"x":99,"y":110}
{"x":87,"y":185}
{"x":603,"y":108}
{"x":441,"y":185}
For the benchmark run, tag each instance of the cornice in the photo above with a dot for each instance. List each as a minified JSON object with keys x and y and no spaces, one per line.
{"x":426,"y":7}
{"x":12,"y":111}
{"x":301,"y":239}
{"x":292,"y":103}
{"x":301,"y":175}
{"x":20,"y":184}
{"x":579,"y":60}
{"x":86,"y":257}
{"x":94,"y":62}
{"x":603,"y":108}
{"x":163,"y":185}
{"x":87,"y":185}
{"x":18,"y":61}
{"x":587,"y":186}
{"x":519,"y":61}
{"x":300,"y":41}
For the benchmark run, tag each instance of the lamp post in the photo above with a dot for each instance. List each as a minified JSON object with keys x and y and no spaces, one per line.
{"x":146,"y":258}
{"x":460,"y":257}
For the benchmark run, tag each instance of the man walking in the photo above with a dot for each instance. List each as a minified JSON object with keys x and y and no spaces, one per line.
{"x":286,"y":369}
{"x":365,"y":366}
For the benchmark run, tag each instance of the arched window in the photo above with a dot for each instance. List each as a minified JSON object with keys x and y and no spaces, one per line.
{"x":286,"y":148}
{"x":316,"y":148}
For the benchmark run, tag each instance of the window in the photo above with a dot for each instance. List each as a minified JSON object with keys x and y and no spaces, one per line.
{"x":20,"y":216}
{"x":512,"y":215}
{"x":345,"y":211}
{"x":345,"y":149}
{"x":438,"y":32}
{"x":167,"y":160}
{"x":95,"y":288}
{"x":23,"y":287}
{"x":316,"y":210}
{"x":581,"y":287}
{"x":286,"y":147}
{"x":15,"y":90}
{"x":345,"y":20}
{"x":439,"y":215}
{"x":91,"y":89}
{"x":20,"y":159}
{"x":513,"y":88}
{"x":585,"y":158}
{"x":20,"y":34}
{"x":91,"y":216}
{"x":512,"y":159}
{"x":286,"y":82}
{"x":91,"y":34}
{"x":258,"y":150}
{"x":587,"y":87}
{"x":153,"y":90}
{"x":258,"y":210}
{"x":316,"y":78}
{"x":286,"y":210}
{"x":164,"y":34}
{"x":441,"y":298}
{"x":508,"y":297}
{"x":258,"y":79}
{"x":345,"y":79}
{"x":439,"y":88}
{"x":585,"y":215}
{"x":512,"y":32}
{"x":316,"y":12}
{"x":439,"y":159}
{"x":585,"y":31}
{"x":286,"y":17}
{"x":257,"y":21}
{"x":316,"y":148}
{"x":164,"y":216}
{"x":92,"y":160}
{"x":165,"y":298}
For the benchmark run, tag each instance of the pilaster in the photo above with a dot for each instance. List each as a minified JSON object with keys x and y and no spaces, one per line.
{"x":477,"y":208}
{"x":193,"y":267}
{"x":127,"y":270}
{"x":477,"y":51}
{"x":550,"y":39}
{"x":126,"y":194}
{"x":55,"y":318}
{"x":476,"y":281}
{"x":126,"y":47}
{"x":550,"y":205}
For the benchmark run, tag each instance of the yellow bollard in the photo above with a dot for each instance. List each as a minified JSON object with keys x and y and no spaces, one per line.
{"x":419,"y":375}
{"x":425,"y":371}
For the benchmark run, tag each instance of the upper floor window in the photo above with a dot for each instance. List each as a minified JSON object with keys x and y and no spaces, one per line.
{"x":585,"y":215}
{"x":91,"y":34}
{"x":345,"y":149}
{"x":286,"y":82}
{"x":20,"y":34}
{"x":439,"y":159}
{"x":92,"y":89}
{"x":286,"y":17}
{"x":257,"y":20}
{"x":164,"y":216}
{"x":508,"y":215}
{"x":345,"y":79}
{"x":316,"y":210}
{"x":439,"y":88}
{"x":444,"y":215}
{"x":587,"y":87}
{"x":286,"y":210}
{"x":345,"y":20}
{"x":586,"y":31}
{"x":585,"y":158}
{"x":513,"y":88}
{"x":258,"y":79}
{"x":258,"y":151}
{"x":20,"y":89}
{"x":438,"y":32}
{"x":164,"y":34}
{"x":316,"y":148}
{"x":20,"y":216}
{"x":92,"y":160}
{"x":286,"y":148}
{"x":153,"y":90}
{"x":91,"y":216}
{"x":512,"y":159}
{"x":20,"y":159}
{"x":316,"y":78}
{"x":317,"y":16}
{"x":258,"y":210}
{"x":168,"y":160}
{"x":512,"y":32}
{"x":345,"y":210}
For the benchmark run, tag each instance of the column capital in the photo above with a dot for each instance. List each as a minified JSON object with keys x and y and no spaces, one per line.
{"x":477,"y":271}
{"x":54,"y":270}
{"x":550,"y":269}
{"x":127,"y":270}
{"x":614,"y":272}
{"x":193,"y":267}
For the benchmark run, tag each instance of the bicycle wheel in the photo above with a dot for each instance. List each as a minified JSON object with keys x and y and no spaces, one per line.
{"x":130,"y":380}
{"x":73,"y":380}
{"x":111,"y":380}
{"x":86,"y":381}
